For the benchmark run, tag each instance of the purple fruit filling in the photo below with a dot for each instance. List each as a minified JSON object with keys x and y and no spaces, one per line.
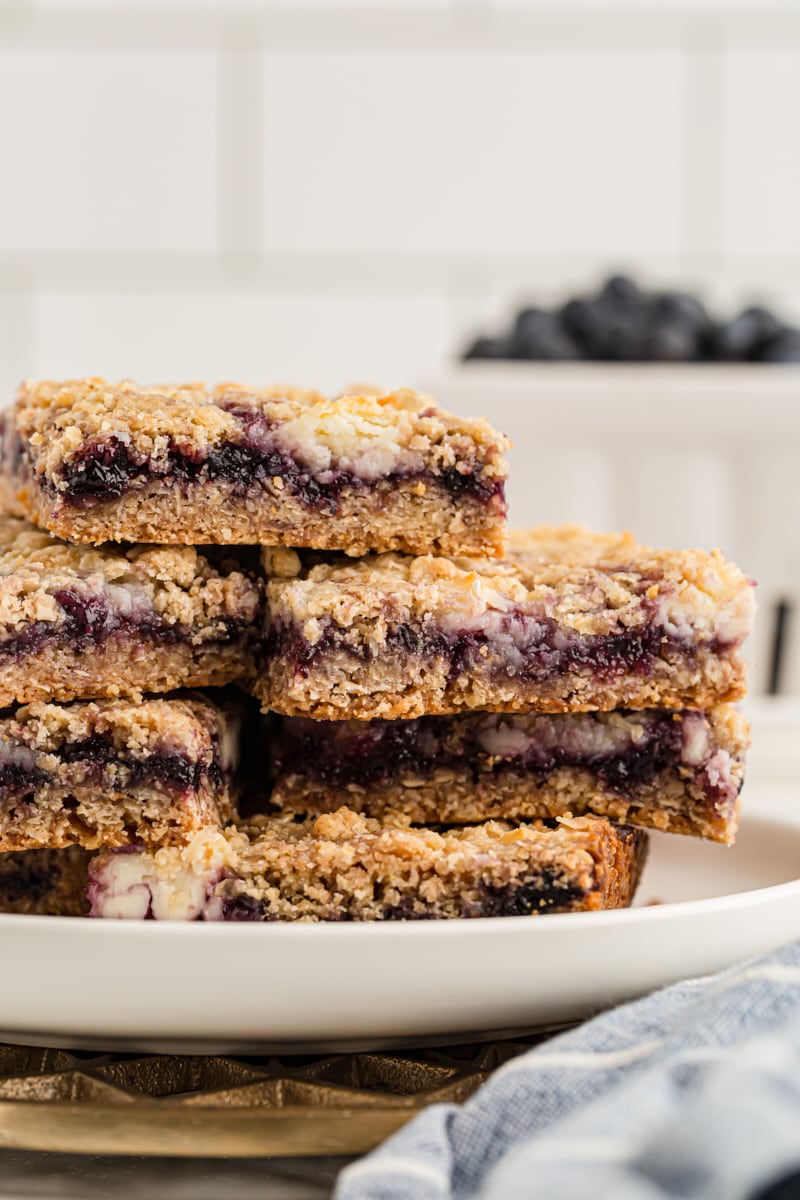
{"x":243,"y":908}
{"x":547,"y":893}
{"x":166,"y":770}
{"x":521,"y":646}
{"x":106,"y":469}
{"x":91,"y":620}
{"x":16,"y":779}
{"x":375,"y":753}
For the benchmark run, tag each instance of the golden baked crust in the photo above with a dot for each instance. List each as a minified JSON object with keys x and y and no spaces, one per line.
{"x":569,"y":621}
{"x":95,"y":461}
{"x":343,"y":866}
{"x":106,"y":621}
{"x":55,"y":419}
{"x":591,"y":583}
{"x":393,"y":515}
{"x":58,"y":418}
{"x":190,"y":724}
{"x":177,"y":583}
{"x":116,"y":773}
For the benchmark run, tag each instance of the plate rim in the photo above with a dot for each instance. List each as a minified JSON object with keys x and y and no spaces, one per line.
{"x":431,"y":929}
{"x":762,"y":915}
{"x":399,"y":929}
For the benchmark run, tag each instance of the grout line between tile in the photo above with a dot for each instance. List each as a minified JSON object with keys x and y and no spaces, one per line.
{"x":359,"y":273}
{"x":475,"y":26}
{"x":21,"y":325}
{"x":240,"y":148}
{"x":703,"y":127}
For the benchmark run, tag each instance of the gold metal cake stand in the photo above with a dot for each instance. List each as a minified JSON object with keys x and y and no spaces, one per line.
{"x":229,"y":1107}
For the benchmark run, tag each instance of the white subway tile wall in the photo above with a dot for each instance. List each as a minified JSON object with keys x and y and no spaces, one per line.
{"x":16,"y":335}
{"x":317,"y":338}
{"x":760,"y":164}
{"x":113,"y":151}
{"x":472,"y":154}
{"x":324,"y":190}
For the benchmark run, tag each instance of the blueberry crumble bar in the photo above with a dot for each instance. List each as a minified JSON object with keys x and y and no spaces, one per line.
{"x":81,"y":623}
{"x":678,"y":771}
{"x":45,"y":883}
{"x":116,"y":772}
{"x":93,"y":461}
{"x":345,"y":867}
{"x":568,"y":621}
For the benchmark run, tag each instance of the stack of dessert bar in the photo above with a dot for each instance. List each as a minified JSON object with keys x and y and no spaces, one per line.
{"x":459,"y":723}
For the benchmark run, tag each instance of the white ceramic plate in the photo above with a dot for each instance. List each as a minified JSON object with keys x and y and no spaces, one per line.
{"x":227,"y":987}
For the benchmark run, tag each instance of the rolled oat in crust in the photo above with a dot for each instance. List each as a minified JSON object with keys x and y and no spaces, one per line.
{"x":569,"y":621}
{"x":344,"y":867}
{"x":94,"y":461}
{"x":81,"y":623}
{"x":117,"y":773}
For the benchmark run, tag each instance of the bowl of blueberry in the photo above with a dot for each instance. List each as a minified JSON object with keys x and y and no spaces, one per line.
{"x":623,"y":322}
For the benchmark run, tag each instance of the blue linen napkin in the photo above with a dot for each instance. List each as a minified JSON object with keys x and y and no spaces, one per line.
{"x":692,"y":1092}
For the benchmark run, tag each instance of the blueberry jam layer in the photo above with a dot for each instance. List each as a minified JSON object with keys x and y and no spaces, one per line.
{"x":164,"y":770}
{"x":247,"y":908}
{"x":548,"y":892}
{"x":92,"y":618}
{"x":626,"y":750}
{"x":519,"y":646}
{"x":107,"y":469}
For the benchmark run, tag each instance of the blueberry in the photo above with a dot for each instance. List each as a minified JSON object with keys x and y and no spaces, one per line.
{"x":672,"y":343}
{"x":173,"y":771}
{"x":614,"y":324}
{"x":622,"y":332}
{"x":528,"y":322}
{"x":240,"y":464}
{"x":541,"y":335}
{"x":746,"y":336}
{"x":621,"y":291}
{"x":15,"y":778}
{"x":680,"y":329}
{"x":243,"y":908}
{"x":99,"y":749}
{"x":625,"y":337}
{"x":579,"y":318}
{"x":681,"y":308}
{"x":784,"y":347}
{"x":486,"y":347}
{"x":598,"y":332}
{"x":87,"y":614}
{"x":101,"y":471}
{"x":621,"y":322}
